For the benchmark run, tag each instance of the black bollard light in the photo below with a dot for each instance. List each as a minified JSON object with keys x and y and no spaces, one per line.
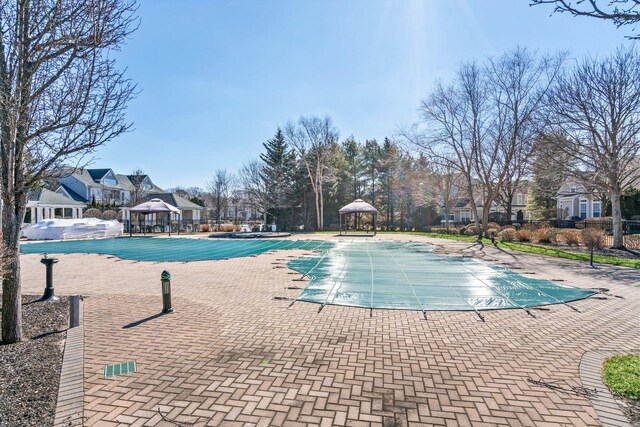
{"x":493,"y":238}
{"x":165,"y":278}
{"x":49,"y":294}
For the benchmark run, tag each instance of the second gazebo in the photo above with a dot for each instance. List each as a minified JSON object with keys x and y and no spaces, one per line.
{"x":358,"y":206}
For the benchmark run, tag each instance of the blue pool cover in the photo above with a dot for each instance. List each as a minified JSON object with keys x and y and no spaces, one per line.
{"x":369,"y":274}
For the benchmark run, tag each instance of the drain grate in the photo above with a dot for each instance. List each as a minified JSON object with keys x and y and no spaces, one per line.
{"x":120,"y":369}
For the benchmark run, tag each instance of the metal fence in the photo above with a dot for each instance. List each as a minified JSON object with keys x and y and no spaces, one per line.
{"x":165,"y":226}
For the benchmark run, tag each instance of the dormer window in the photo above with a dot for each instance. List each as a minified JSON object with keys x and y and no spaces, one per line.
{"x":573,"y":189}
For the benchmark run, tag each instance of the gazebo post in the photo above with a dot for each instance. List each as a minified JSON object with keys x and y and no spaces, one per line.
{"x":340,"y":215}
{"x":375,"y":229}
{"x":169,"y":224}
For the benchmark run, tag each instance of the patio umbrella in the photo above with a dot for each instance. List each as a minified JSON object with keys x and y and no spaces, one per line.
{"x":358,"y":206}
{"x":155,"y":206}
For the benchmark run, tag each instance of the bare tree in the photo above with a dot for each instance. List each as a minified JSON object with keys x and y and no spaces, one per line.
{"x":483,"y":125}
{"x":256,"y":187}
{"x":596,"y":111}
{"x":452,"y":116}
{"x":313,"y":139}
{"x":621,"y":12}
{"x":519,"y":82}
{"x":220,"y":188}
{"x":140,"y":191}
{"x":61,"y":96}
{"x":443,"y":188}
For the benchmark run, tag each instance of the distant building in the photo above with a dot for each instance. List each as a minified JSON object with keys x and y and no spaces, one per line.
{"x":46,"y":204}
{"x":575,"y":199}
{"x":104,"y":186}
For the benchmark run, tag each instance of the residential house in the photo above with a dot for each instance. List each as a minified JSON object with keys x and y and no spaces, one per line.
{"x":463,"y":211}
{"x":189,"y":211}
{"x":46,"y":204}
{"x":575,"y":199}
{"x":104,"y":186}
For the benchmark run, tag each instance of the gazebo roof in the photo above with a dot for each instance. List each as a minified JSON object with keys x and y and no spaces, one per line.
{"x":154,"y":206}
{"x":358,"y":205}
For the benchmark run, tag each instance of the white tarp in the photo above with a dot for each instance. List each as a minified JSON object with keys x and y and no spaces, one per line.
{"x":61,"y":229}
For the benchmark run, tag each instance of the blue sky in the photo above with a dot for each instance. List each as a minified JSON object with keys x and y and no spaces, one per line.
{"x":218,"y":77}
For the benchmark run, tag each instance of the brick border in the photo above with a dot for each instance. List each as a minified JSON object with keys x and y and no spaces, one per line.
{"x":70,"y":404}
{"x":606,"y":407}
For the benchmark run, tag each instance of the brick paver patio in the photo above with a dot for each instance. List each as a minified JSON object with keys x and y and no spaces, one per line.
{"x":232,"y":355}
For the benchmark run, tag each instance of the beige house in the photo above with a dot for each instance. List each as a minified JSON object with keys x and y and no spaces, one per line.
{"x":574,"y":199}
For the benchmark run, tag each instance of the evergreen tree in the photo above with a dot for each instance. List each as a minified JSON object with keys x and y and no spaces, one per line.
{"x":279,"y":164}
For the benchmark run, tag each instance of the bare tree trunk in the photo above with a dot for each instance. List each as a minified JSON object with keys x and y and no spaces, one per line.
{"x":11,"y":287}
{"x":616,"y":214}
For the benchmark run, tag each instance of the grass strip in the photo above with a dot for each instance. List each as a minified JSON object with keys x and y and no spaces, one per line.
{"x":621,"y":373}
{"x":546,"y":250}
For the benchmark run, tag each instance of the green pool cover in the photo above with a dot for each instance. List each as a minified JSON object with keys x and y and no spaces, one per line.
{"x":159,"y":249}
{"x":410,"y":276}
{"x":369,"y":274}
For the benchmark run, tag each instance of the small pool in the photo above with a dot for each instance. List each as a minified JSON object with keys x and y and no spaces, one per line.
{"x":368,"y":274}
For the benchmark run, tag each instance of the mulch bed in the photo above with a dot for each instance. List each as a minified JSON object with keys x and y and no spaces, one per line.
{"x":30,"y":370}
{"x":631,"y":409}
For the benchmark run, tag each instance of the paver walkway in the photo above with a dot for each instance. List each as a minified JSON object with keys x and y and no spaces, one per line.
{"x":232,"y":355}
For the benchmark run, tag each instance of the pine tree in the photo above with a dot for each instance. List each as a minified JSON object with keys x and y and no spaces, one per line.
{"x":279,"y":164}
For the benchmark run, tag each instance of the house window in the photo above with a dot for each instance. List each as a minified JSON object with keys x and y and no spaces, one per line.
{"x":583,"y":209}
{"x":465,"y":216}
{"x":519,"y":199}
{"x":597,"y":209}
{"x":452,"y":217}
{"x":573,"y":189}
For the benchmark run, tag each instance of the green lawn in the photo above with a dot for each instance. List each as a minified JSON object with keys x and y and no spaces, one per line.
{"x":524,"y":247}
{"x":622,"y":374}
{"x":546,"y":250}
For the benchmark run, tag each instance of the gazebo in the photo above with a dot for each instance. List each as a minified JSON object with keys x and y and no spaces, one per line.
{"x":154,"y":206}
{"x":358,"y":206}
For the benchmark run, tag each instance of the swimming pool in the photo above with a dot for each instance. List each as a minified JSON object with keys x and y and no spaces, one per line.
{"x":163,"y":249}
{"x":399,"y":275}
{"x":368,"y":274}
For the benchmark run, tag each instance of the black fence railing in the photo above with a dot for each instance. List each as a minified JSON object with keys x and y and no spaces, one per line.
{"x":166,"y":226}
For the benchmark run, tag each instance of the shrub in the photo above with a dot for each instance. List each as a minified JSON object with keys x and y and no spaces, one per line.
{"x":517,"y":226}
{"x":533,"y":226}
{"x":228,"y":227}
{"x":524,"y":235}
{"x":439,"y":230}
{"x":109,"y":214}
{"x":593,"y":238}
{"x":571,"y":237}
{"x":508,"y":227}
{"x":204,"y":227}
{"x":507,"y":235}
{"x":547,"y":235}
{"x":92,"y":213}
{"x":470,"y":231}
{"x":493,"y":225}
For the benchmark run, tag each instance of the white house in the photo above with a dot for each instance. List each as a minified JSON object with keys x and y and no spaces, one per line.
{"x":45,"y":204}
{"x":575,"y":199}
